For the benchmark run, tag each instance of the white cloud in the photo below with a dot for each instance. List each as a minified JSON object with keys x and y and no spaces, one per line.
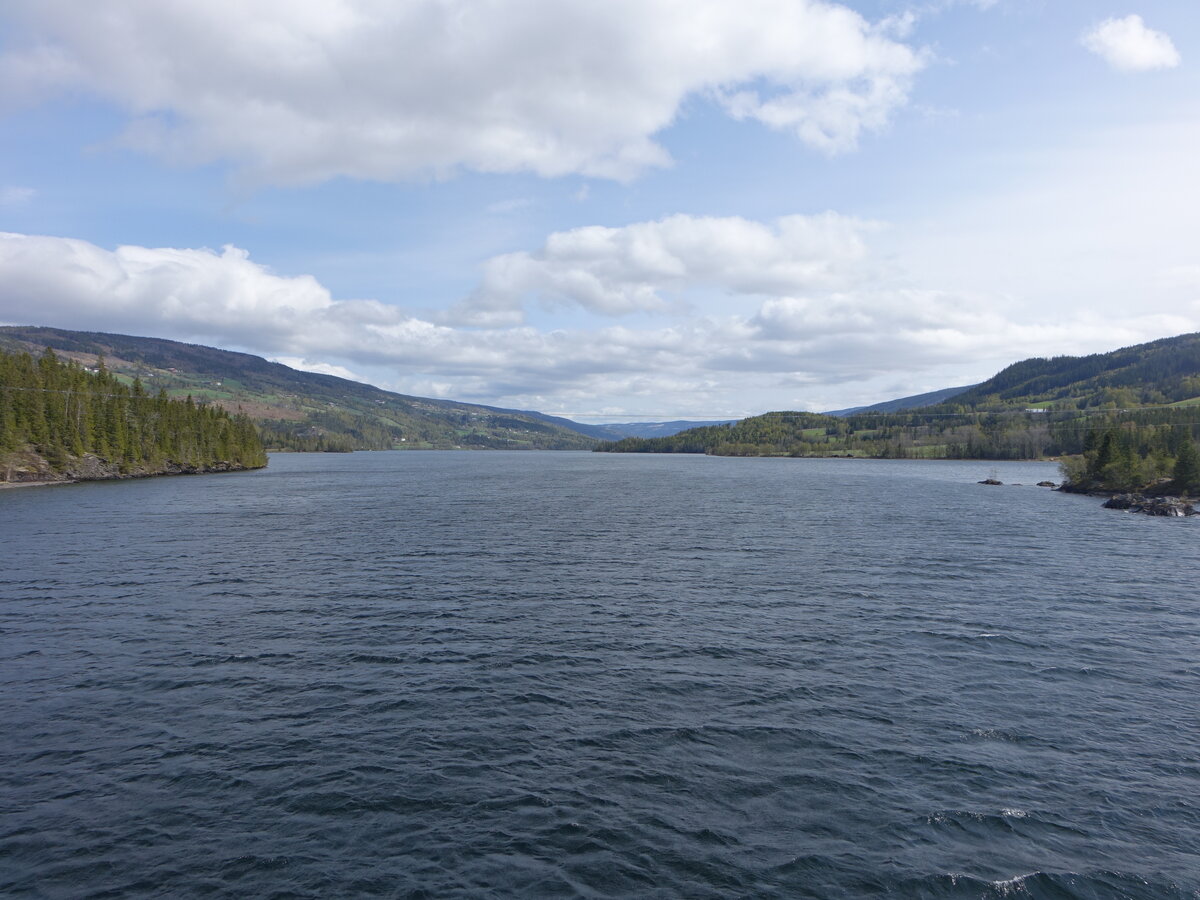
{"x":635,"y":268}
{"x":220,"y":294}
{"x":297,"y":91}
{"x":847,"y":339}
{"x":321,"y":368}
{"x":1129,"y":46}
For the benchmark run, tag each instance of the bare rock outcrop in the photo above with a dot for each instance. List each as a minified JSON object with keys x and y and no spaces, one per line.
{"x":1151,"y":506}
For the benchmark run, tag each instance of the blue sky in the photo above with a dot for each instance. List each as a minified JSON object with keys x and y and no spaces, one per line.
{"x":608,"y":209}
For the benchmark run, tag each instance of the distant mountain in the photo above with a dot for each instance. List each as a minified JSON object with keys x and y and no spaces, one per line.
{"x":917,"y":401}
{"x":616,"y":431}
{"x":304,"y":410}
{"x":1146,"y":394}
{"x":599,"y":432}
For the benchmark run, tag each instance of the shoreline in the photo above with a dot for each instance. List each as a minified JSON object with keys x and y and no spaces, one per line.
{"x":1146,"y":502}
{"x":32,"y":484}
{"x":169,"y":472}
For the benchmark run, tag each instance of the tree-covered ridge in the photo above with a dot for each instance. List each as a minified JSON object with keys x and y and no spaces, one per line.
{"x":1011,"y":434}
{"x":1146,"y":397}
{"x":89,"y":424}
{"x":297,"y":410}
{"x":1160,"y":372}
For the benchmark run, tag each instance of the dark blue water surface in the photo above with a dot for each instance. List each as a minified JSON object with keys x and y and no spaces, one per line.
{"x":538,"y":674}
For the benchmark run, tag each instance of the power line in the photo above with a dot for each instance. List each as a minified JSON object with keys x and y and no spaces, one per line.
{"x":5,"y":387}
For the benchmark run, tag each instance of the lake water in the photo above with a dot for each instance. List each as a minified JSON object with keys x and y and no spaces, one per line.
{"x":551,"y":675}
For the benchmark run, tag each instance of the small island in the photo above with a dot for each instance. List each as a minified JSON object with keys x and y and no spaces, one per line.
{"x":62,"y":422}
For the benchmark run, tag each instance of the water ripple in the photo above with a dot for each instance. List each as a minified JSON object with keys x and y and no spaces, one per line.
{"x":553,"y":675}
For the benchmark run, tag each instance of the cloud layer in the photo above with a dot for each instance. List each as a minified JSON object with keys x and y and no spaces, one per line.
{"x":1129,"y":46}
{"x":299,"y":91}
{"x":819,"y":328}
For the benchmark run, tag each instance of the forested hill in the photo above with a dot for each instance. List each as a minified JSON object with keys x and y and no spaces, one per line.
{"x":304,"y":410}
{"x":60,"y":421}
{"x":1160,"y":372}
{"x":1147,"y":396}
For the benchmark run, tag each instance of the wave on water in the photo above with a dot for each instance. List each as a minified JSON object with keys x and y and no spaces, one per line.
{"x":561,"y":675}
{"x":1098,"y":885}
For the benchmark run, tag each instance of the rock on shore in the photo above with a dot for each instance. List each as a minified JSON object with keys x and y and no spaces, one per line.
{"x":1151,"y":506}
{"x":27,"y":467}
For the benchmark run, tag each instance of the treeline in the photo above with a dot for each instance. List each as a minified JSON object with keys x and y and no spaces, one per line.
{"x":924,"y":434}
{"x":60,"y":411}
{"x":1133,"y":457}
{"x":904,"y":435}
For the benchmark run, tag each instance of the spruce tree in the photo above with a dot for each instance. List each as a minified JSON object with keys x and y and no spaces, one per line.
{"x":55,"y":408}
{"x":1187,"y":469}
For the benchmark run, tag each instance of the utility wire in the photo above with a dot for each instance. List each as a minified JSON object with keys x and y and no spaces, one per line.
{"x":5,"y":387}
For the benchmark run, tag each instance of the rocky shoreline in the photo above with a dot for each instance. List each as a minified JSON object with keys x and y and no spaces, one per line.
{"x":1148,"y":503}
{"x":1153,"y":500}
{"x":28,"y":469}
{"x":1152,"y":506}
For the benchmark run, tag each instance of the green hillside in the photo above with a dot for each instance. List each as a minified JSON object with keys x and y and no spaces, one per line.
{"x":1144,"y":396}
{"x":1158,"y":373}
{"x":296,"y":410}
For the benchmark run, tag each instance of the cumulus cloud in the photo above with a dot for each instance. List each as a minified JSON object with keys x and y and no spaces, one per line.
{"x":634,"y":268}
{"x":1129,"y":46}
{"x":220,"y":294}
{"x":822,"y":347}
{"x":923,"y":316}
{"x":298,"y":91}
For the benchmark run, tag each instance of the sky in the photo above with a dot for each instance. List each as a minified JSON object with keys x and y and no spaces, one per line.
{"x":608,"y":209}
